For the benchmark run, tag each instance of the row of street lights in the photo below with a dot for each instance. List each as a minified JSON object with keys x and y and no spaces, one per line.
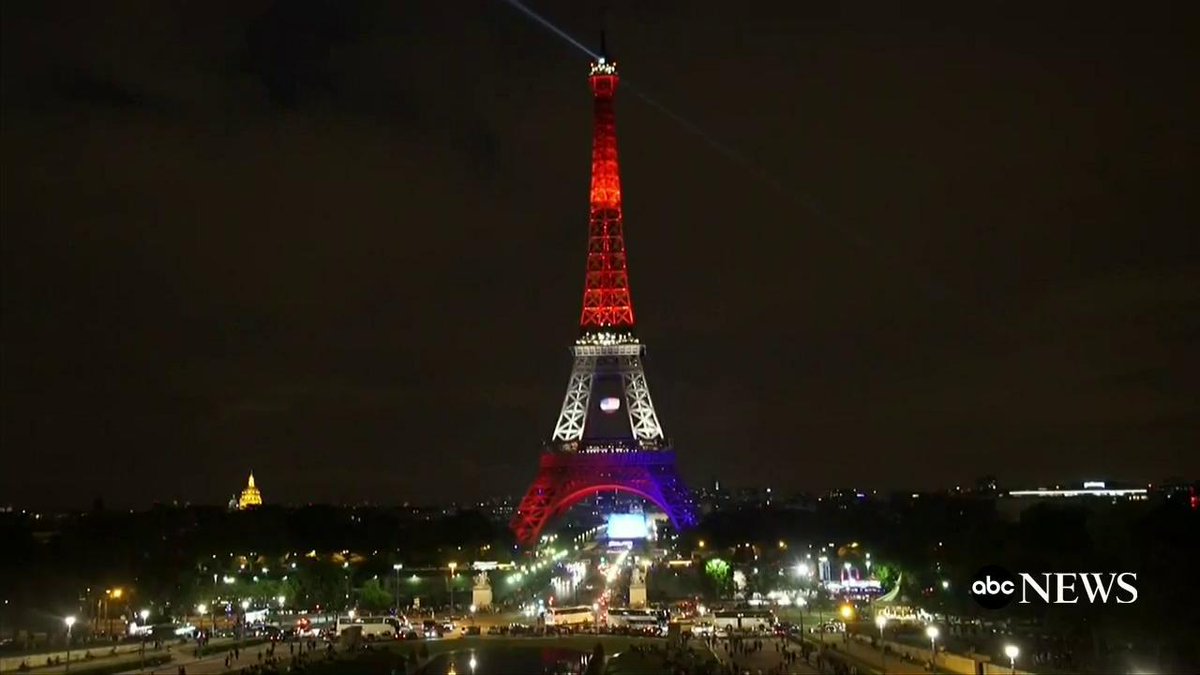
{"x":1010,"y":650}
{"x":70,"y":623}
{"x":932,"y":632}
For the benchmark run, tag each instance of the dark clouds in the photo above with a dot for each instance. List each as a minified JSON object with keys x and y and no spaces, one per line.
{"x":342,"y":243}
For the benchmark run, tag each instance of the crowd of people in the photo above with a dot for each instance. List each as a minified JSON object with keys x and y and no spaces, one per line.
{"x":301,"y":654}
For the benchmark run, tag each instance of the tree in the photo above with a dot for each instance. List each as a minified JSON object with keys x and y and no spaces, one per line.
{"x":887,"y":574}
{"x":319,"y":583}
{"x":373,"y":597}
{"x":720,"y":576}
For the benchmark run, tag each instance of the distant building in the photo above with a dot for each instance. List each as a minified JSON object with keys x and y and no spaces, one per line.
{"x":1090,"y":493}
{"x":1092,"y":488}
{"x":251,"y":496}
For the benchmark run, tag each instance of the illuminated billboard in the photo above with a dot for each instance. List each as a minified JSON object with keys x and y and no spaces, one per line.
{"x":627,"y":526}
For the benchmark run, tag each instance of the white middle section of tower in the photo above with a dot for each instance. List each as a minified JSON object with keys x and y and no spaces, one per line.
{"x":624,"y":359}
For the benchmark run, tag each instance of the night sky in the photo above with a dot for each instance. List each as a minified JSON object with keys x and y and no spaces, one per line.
{"x":342,"y":244}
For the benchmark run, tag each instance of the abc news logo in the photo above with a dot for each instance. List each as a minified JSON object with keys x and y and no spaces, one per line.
{"x":994,"y":587}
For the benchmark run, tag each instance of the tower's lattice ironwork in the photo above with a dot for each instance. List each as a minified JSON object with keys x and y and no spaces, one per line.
{"x":607,"y":436}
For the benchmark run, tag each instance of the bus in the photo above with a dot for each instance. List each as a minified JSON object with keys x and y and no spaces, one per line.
{"x":650,"y":625}
{"x":743,"y":619}
{"x":570,"y":616}
{"x":373,"y":627}
{"x":627,"y":616}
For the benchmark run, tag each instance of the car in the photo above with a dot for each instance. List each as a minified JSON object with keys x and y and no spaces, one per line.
{"x":471,"y":630}
{"x":831,"y":627}
{"x":495,"y":630}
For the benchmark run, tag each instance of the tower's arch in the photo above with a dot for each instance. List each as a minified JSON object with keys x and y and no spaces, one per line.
{"x":565,"y":479}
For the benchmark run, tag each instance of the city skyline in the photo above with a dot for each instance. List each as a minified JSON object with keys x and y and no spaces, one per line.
{"x":885,"y":253}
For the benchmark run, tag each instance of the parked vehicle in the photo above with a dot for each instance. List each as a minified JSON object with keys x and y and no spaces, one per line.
{"x":569,"y":616}
{"x":744,"y":619}
{"x":373,"y":628}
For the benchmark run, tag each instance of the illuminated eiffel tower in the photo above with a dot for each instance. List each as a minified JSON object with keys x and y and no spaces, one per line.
{"x":608,"y":436}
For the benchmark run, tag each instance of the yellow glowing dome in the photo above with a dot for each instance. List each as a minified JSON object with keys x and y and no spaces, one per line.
{"x":250,"y":496}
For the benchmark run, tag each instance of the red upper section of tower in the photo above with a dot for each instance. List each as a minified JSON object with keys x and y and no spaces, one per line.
{"x":606,"y":300}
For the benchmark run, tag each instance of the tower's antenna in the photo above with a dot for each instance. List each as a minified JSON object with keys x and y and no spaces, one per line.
{"x":603,"y":30}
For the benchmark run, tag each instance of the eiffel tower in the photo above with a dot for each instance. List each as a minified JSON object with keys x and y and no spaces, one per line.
{"x":608,"y":436}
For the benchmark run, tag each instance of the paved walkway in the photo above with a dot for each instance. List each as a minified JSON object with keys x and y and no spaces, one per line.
{"x":769,"y":659}
{"x":876,"y":660}
{"x":127,"y":654}
{"x":214,"y":664}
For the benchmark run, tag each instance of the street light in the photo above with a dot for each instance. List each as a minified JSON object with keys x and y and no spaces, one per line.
{"x":70,"y":621}
{"x":110,"y":594}
{"x":396,"y":568}
{"x":932,"y":633}
{"x":145,"y":614}
{"x":242,"y":627}
{"x":881,"y":621}
{"x":801,"y":602}
{"x":450,"y":579}
{"x":201,"y":609}
{"x":1012,"y":651}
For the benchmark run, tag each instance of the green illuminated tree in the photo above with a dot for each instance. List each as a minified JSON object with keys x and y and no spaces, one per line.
{"x":887,"y":574}
{"x":720,"y":577}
